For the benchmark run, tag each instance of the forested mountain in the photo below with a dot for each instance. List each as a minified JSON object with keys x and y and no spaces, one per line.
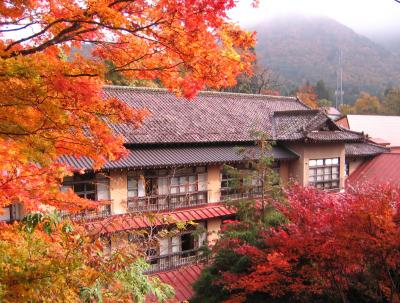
{"x":304,"y":49}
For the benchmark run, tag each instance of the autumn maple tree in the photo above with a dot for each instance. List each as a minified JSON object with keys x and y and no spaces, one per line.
{"x":307,"y":94}
{"x":51,"y":94}
{"x":334,"y":248}
{"x":367,"y":104}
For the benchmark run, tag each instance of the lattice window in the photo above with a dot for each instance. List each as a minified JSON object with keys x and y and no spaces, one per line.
{"x":324,"y":173}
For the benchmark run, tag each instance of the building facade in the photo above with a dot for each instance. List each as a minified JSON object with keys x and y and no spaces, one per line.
{"x":174,"y":169}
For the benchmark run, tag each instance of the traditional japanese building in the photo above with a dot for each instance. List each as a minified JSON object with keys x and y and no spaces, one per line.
{"x":175,"y":165}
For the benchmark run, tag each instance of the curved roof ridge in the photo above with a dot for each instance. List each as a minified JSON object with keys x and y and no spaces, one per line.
{"x":203,"y":92}
{"x":295,"y":112}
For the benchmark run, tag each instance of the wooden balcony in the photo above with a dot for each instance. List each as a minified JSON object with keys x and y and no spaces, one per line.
{"x":233,"y":195}
{"x":175,"y":260}
{"x":101,"y":212}
{"x":167,"y":202}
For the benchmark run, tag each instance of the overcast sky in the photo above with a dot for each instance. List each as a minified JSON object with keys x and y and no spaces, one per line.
{"x":361,"y":15}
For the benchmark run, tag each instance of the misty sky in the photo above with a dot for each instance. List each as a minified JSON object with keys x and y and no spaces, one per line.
{"x":364,"y":16}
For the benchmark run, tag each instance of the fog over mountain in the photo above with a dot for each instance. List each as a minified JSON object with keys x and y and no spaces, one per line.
{"x":366,"y":17}
{"x":300,"y":40}
{"x":304,"y":49}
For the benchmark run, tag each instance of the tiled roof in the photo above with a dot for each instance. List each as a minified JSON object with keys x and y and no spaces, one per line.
{"x":210,"y":117}
{"x":181,"y":279}
{"x":125,"y":222}
{"x":354,"y":150}
{"x":382,"y":169}
{"x":384,"y":127}
{"x":152,"y":157}
{"x":310,"y":125}
{"x":218,"y":117}
{"x":334,"y":136}
{"x":291,"y":125}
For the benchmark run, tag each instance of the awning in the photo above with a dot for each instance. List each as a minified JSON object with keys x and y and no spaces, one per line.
{"x":132,"y":221}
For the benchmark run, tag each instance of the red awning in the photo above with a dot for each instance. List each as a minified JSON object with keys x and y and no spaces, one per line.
{"x":125,"y":222}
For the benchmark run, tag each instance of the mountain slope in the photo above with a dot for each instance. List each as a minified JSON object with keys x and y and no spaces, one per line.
{"x":306,"y":48}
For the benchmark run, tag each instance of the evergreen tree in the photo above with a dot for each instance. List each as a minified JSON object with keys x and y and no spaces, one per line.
{"x":253,"y":216}
{"x":322,"y":91}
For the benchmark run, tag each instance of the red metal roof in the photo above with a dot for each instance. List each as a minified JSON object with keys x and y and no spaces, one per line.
{"x":382,"y":169}
{"x":181,"y":279}
{"x":343,"y":122}
{"x":132,"y":221}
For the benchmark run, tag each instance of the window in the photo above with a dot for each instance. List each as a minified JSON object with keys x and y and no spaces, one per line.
{"x":185,"y":241}
{"x":133,"y":186}
{"x":188,"y":242}
{"x":163,"y":189}
{"x":85,"y":190}
{"x":324,"y":173}
{"x":159,"y":183}
{"x":347,"y":169}
{"x":6,"y":214}
{"x":90,"y":186}
{"x":10,"y":213}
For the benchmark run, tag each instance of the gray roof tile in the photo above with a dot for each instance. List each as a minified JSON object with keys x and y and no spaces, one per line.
{"x":210,"y":117}
{"x":310,"y":126}
{"x":153,"y":157}
{"x":354,"y":150}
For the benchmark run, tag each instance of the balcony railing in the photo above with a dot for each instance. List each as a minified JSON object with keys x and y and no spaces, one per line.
{"x":166,"y":262}
{"x":167,"y":202}
{"x":232,"y":195}
{"x":101,"y":212}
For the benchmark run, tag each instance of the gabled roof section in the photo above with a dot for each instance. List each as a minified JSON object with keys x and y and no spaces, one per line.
{"x":210,"y":117}
{"x":310,"y":126}
{"x":360,"y":150}
{"x":382,"y":169}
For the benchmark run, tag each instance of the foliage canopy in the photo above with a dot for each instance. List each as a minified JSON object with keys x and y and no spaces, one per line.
{"x":52,"y":104}
{"x":334,"y":248}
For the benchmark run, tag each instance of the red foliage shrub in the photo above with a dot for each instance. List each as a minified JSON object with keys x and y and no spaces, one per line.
{"x":338,"y":247}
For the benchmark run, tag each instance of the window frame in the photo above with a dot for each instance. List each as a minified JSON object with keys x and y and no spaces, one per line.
{"x":86,"y":180}
{"x":174,"y":178}
{"x":329,"y":169}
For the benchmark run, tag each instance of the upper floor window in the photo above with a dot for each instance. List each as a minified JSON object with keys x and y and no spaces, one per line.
{"x":167,"y":189}
{"x":133,"y":186}
{"x":10,"y":213}
{"x":89,"y":186}
{"x":163,"y":182}
{"x":324,"y":173}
